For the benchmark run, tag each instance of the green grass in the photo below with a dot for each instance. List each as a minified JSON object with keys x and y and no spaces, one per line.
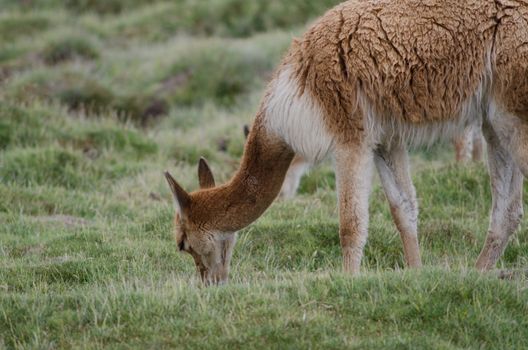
{"x":98,"y":98}
{"x":70,"y":47}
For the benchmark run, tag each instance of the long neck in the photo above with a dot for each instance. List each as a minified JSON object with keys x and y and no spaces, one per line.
{"x":255,"y":185}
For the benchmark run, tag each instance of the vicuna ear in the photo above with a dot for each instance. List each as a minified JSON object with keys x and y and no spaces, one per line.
{"x":205,"y":175}
{"x":246,"y":131}
{"x":182,"y":199}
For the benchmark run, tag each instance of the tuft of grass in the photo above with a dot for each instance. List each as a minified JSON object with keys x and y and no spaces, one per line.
{"x":68,"y":48}
{"x":104,"y":6}
{"x":36,"y":125}
{"x":73,"y":88}
{"x":14,"y":25}
{"x":142,"y":109}
{"x":53,"y":166}
{"x":88,"y":95}
{"x":225,"y":18}
{"x":242,"y":18}
{"x":42,"y":201}
{"x":100,"y":139}
{"x":218,"y":72}
{"x":5,"y":134}
{"x":79,"y":92}
{"x":9,"y":56}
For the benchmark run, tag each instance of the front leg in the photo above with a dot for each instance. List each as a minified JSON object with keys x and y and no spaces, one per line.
{"x":353,"y":165}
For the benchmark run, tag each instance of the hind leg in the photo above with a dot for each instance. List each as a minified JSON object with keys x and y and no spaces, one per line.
{"x":393,"y":168}
{"x":506,"y":186}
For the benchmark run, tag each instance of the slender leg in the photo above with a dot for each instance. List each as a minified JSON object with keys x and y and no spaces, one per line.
{"x":354,"y":177}
{"x":512,"y":135}
{"x":393,"y":168}
{"x":469,"y":144}
{"x":293,"y":177}
{"x":478,"y":146}
{"x":507,"y":208}
{"x":463,"y":146}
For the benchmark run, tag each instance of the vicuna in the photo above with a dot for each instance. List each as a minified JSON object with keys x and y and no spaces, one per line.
{"x":367,"y":80}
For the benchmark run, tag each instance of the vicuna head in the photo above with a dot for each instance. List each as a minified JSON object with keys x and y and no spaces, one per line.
{"x":195,"y":231}
{"x":207,"y":220}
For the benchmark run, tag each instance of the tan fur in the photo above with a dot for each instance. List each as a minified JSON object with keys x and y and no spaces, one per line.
{"x":469,"y":145}
{"x":292,"y":180}
{"x":368,"y":78}
{"x":398,"y":55}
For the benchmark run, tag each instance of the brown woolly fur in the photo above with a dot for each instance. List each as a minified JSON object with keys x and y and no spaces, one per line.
{"x":511,"y":56}
{"x":415,"y":61}
{"x":368,"y":79}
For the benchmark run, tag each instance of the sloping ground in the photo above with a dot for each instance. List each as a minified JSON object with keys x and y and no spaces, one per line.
{"x":427,"y":310}
{"x":88,"y":123}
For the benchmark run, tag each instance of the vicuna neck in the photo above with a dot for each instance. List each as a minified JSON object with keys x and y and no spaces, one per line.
{"x":252,"y":189}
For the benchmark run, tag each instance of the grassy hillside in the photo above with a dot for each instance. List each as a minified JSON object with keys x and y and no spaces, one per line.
{"x":97,"y":98}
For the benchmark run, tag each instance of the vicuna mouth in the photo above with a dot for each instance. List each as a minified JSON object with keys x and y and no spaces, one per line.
{"x":212,"y":277}
{"x":209,"y":280}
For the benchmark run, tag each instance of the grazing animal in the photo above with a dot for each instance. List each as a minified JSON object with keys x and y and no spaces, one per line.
{"x":367,"y":80}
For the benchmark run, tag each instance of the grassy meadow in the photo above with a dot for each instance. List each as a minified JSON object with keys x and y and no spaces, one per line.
{"x":98,"y":97}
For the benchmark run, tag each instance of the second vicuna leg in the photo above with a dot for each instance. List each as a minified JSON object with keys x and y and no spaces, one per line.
{"x":354,"y":176}
{"x":463,"y":146}
{"x":393,"y":168}
{"x":478,"y":146}
{"x":293,"y":177}
{"x":469,"y":145}
{"x":507,"y":206}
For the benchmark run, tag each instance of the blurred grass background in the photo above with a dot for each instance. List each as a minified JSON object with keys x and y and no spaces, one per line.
{"x":98,"y":97}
